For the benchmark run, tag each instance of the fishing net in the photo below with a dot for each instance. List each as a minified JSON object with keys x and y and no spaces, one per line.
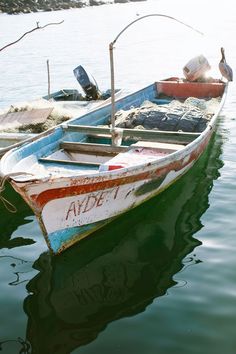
{"x":192,"y":115}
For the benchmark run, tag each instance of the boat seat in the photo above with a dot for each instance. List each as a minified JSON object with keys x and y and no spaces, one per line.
{"x":168,"y":147}
{"x":141,"y":152}
{"x":68,"y":162}
{"x":92,"y":148}
{"x":175,"y":137}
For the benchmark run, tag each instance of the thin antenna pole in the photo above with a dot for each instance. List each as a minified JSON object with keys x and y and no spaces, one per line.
{"x":112,"y":71}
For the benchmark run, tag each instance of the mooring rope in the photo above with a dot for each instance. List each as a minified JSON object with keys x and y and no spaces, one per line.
{"x":8,"y":205}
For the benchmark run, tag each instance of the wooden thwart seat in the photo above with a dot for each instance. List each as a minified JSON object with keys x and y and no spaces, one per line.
{"x":108,"y":150}
{"x":92,"y":148}
{"x":167,"y":147}
{"x":68,"y":162}
{"x":140,"y":134}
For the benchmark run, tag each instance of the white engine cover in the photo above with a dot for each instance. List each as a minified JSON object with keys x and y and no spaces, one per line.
{"x":196,"y":68}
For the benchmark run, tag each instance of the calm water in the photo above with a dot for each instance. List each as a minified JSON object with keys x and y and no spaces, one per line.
{"x":162,"y":278}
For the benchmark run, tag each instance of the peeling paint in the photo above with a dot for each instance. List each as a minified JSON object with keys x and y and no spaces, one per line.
{"x":150,"y":186}
{"x":70,"y":207}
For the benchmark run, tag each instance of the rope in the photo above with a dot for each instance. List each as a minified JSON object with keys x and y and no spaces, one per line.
{"x":8,"y":205}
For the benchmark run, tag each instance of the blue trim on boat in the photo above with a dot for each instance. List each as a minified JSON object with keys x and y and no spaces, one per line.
{"x":47,"y":144}
{"x":100,"y":115}
{"x":60,"y":239}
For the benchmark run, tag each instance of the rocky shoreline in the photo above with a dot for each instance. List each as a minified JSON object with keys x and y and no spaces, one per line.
{"x":27,"y":6}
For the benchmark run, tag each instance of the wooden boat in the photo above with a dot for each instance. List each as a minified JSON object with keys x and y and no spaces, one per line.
{"x":75,"y":95}
{"x":65,"y":95}
{"x":113,"y":267}
{"x":25,"y":119}
{"x":22,"y":120}
{"x":76,"y":181}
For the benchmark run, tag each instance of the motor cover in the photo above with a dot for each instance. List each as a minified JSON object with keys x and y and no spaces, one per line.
{"x":196,"y":68}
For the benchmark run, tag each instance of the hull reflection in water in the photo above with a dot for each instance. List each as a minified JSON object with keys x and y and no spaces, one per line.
{"x":9,"y":223}
{"x":121,"y":269}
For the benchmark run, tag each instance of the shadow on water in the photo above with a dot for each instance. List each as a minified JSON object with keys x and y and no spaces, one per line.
{"x":122,"y":268}
{"x":9,"y":222}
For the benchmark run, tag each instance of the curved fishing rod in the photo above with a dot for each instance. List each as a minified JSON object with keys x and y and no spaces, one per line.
{"x":111,"y":46}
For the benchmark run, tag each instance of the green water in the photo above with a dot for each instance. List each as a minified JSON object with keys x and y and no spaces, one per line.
{"x":150,"y":282}
{"x":160,"y":279}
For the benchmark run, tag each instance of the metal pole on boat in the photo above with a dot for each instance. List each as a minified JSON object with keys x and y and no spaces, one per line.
{"x":49,"y":83}
{"x":112,"y":93}
{"x":112,"y":71}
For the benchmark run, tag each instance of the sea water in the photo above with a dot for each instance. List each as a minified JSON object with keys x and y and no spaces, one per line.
{"x":161,"y":278}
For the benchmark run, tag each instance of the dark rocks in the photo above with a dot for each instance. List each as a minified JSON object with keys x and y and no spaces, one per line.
{"x":19,"y":6}
{"x":26,"y":6}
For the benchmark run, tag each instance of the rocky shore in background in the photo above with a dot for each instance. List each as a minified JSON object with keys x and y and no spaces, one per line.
{"x":26,"y":6}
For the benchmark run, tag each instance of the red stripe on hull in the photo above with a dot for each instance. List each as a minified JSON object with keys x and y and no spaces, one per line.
{"x":43,"y":198}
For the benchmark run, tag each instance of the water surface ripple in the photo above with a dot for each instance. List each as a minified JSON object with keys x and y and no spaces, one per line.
{"x":161,"y":278}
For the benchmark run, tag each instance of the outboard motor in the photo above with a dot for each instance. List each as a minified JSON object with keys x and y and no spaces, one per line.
{"x":87,"y":83}
{"x":196,"y":68}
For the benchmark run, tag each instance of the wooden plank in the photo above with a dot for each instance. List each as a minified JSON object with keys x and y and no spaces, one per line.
{"x":140,"y":134}
{"x":158,"y":146}
{"x":98,"y":149}
{"x":68,"y":162}
{"x":108,"y":150}
{"x":18,"y":119}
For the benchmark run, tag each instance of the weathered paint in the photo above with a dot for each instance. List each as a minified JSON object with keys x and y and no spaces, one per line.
{"x":78,"y":186}
{"x":150,"y":186}
{"x":69,"y":207}
{"x":173,"y":87}
{"x":80,"y":213}
{"x":66,"y":236}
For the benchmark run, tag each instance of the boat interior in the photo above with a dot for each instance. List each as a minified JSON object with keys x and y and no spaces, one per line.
{"x":96,"y":153}
{"x":85,"y":148}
